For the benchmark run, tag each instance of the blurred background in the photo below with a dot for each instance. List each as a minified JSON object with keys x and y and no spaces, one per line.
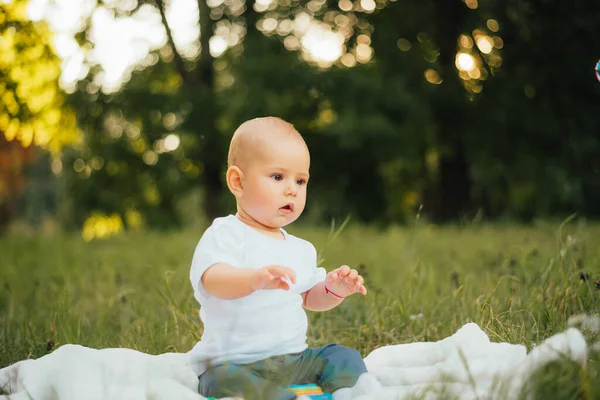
{"x":116,"y":114}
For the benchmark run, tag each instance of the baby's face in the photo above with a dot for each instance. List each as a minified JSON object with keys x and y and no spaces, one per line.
{"x":275,"y":182}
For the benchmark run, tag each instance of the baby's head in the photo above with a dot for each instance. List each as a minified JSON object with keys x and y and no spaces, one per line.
{"x":267,"y":172}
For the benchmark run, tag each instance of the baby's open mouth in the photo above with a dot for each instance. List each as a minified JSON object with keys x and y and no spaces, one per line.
{"x":288,"y":208}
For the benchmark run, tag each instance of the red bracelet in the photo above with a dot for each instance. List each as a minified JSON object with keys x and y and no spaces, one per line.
{"x":329,"y":291}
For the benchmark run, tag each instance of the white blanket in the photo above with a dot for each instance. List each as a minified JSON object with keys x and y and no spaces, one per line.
{"x":465,"y":364}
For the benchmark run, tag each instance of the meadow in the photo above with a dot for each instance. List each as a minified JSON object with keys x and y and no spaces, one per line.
{"x":521,"y":284}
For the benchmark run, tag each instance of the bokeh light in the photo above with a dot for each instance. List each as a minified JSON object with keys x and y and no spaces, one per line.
{"x":98,"y":226}
{"x":218,"y":45}
{"x":367,"y":5}
{"x":493,"y":25}
{"x":349,"y":60}
{"x":403,"y":44}
{"x":132,"y":39}
{"x":433,"y":77}
{"x":171,"y":142}
{"x":465,"y":41}
{"x":345,"y":5}
{"x":322,"y":44}
{"x":119,"y":43}
{"x":465,"y":62}
{"x":485,"y":44}
{"x":472,"y":4}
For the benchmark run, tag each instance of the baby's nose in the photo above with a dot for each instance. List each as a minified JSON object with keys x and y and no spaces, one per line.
{"x":291,"y":190}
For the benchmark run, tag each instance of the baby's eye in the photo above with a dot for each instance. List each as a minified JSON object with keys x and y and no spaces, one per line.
{"x":277,"y":177}
{"x":301,"y":182}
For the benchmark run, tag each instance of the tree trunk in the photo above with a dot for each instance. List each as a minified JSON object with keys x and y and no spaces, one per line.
{"x":13,"y":160}
{"x":211,"y":152}
{"x":454,"y":184}
{"x":199,"y":87}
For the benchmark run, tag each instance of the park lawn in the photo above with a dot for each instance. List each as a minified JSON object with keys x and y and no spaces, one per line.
{"x":519,"y":283}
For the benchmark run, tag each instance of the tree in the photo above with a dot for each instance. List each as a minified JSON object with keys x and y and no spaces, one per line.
{"x":127,"y":133}
{"x":32,"y":112}
{"x":205,"y":111}
{"x":436,"y":104}
{"x":542,"y":157}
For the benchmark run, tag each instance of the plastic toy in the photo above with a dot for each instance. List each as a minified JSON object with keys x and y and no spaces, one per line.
{"x":311,"y":390}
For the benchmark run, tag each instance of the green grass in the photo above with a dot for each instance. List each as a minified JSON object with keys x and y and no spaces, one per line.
{"x":520,"y":284}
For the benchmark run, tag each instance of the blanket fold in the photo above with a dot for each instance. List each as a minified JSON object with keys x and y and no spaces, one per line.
{"x":466,"y":365}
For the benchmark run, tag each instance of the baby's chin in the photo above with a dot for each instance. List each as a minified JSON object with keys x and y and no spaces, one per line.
{"x":281,"y":220}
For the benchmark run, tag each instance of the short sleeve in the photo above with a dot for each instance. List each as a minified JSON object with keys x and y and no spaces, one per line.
{"x":317,"y":274}
{"x":217,"y":245}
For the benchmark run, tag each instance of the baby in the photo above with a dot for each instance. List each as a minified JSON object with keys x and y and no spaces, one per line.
{"x":253,"y":279}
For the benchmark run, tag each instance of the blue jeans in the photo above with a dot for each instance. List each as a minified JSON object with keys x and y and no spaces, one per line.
{"x":331,"y":367}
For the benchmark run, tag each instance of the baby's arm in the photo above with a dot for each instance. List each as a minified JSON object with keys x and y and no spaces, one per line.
{"x":338,"y":284}
{"x":228,"y":282}
{"x":317,"y":299}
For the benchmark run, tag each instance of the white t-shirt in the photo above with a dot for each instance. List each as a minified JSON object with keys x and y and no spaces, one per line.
{"x":265,"y":323}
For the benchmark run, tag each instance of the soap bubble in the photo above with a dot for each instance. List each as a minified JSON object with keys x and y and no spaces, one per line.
{"x":598,"y":70}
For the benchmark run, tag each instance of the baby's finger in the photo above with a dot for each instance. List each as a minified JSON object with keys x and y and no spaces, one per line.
{"x":292,"y":275}
{"x":343,"y":271}
{"x":352,"y":275}
{"x":283,"y":272}
{"x":358,"y":281}
{"x":286,"y":285}
{"x":362,"y":290}
{"x":286,"y":280}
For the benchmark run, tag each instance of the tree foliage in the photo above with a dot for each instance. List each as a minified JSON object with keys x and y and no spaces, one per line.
{"x":32,"y":108}
{"x":454,"y":107}
{"x":31,"y":104}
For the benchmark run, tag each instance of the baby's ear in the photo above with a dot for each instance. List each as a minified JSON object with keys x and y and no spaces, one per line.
{"x":234,"y":179}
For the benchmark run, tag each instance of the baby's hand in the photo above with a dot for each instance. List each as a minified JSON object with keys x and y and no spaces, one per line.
{"x":345,"y":281}
{"x":273,"y":277}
